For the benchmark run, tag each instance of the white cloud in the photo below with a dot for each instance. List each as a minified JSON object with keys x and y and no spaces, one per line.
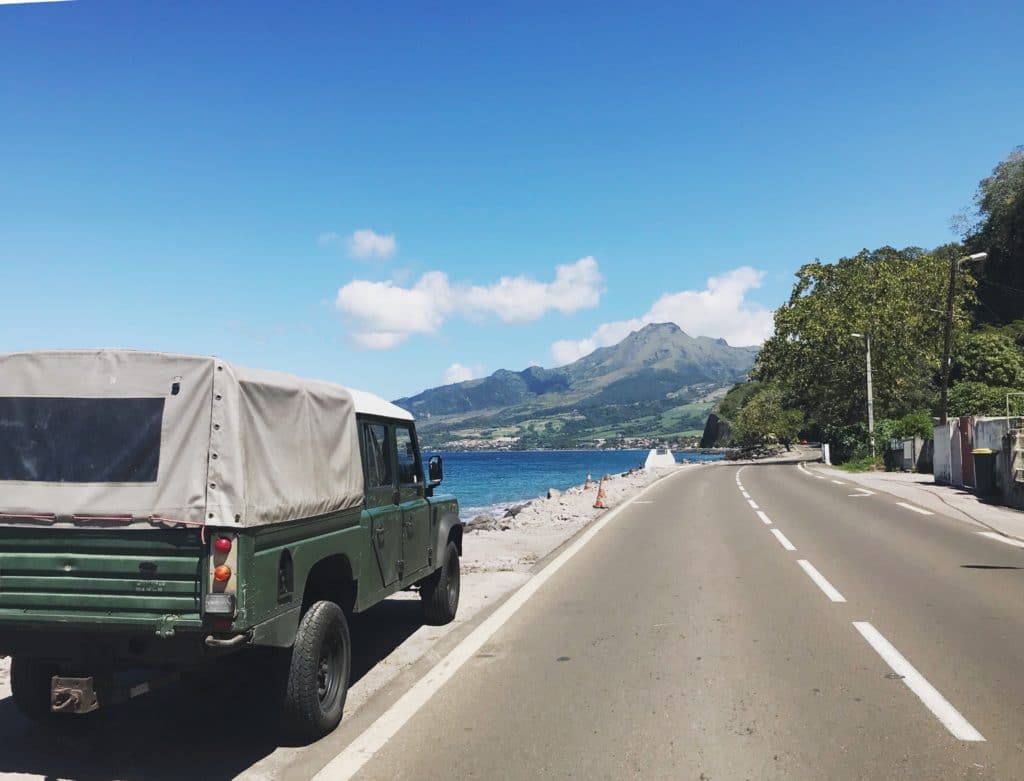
{"x":719,"y":310}
{"x":521,"y":299}
{"x":459,"y":373}
{"x":366,"y":244}
{"x":384,"y":314}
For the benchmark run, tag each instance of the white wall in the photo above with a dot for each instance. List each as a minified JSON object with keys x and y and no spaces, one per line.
{"x":943,"y":462}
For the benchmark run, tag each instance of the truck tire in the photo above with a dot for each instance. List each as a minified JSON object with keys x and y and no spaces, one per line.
{"x":30,"y":688}
{"x":317,"y":684}
{"x":440,"y":591}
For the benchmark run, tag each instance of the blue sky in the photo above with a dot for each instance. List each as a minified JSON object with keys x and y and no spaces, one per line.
{"x":189,"y":176}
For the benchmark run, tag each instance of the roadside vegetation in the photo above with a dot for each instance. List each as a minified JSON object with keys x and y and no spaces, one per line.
{"x":809,"y":380}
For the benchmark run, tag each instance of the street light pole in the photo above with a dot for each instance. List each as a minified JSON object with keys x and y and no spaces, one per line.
{"x":871,"y":398}
{"x":954,"y":266}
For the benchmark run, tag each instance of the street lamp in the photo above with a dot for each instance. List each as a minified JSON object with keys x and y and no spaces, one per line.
{"x":871,"y":402}
{"x":954,"y":266}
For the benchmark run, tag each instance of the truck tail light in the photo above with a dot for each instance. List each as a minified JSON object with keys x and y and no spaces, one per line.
{"x":222,"y":545}
{"x":222,"y":573}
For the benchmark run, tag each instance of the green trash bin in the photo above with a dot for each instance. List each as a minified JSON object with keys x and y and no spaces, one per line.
{"x":985,"y":471}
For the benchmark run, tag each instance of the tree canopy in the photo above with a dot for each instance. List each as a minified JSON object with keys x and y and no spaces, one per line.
{"x":895,"y":296}
{"x":999,"y":231}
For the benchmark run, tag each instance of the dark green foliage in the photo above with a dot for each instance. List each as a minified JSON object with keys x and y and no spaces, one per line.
{"x":915,"y":424}
{"x":764,"y":419}
{"x":999,"y":231}
{"x":730,"y":406}
{"x":977,"y":398}
{"x":991,"y":357}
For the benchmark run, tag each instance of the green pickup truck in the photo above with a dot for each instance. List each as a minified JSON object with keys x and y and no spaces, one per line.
{"x":159,"y":512}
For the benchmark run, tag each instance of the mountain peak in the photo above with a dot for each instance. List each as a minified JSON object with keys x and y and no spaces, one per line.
{"x":666,"y":328}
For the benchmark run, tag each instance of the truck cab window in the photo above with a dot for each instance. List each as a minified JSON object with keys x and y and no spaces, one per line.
{"x":409,"y":472}
{"x":378,"y":459}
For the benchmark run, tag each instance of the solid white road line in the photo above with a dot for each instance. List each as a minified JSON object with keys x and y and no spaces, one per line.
{"x":361,"y":750}
{"x":819,"y":579}
{"x":782,"y":540}
{"x":752,"y":504}
{"x":764,"y":518}
{"x":1001,"y":538}
{"x":928,"y":694}
{"x":915,"y":509}
{"x":839,"y":482}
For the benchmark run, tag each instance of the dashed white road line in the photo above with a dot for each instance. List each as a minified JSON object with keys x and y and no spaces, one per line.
{"x":785,"y":543}
{"x":839,"y":482}
{"x":820,"y":581}
{"x":752,"y":504}
{"x":764,"y":518}
{"x":865,"y":492}
{"x":920,"y":510}
{"x":1001,"y":538}
{"x":939,"y":706}
{"x":745,"y":494}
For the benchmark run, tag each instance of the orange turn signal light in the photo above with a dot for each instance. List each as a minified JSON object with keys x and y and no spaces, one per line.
{"x":222,"y":573}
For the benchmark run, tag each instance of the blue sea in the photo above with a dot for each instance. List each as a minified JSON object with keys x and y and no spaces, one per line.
{"x":485,"y":482}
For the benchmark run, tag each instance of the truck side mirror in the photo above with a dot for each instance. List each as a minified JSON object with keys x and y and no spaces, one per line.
{"x":435,"y":470}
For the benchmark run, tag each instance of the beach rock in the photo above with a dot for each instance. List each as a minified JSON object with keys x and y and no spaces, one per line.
{"x":554,"y":493}
{"x":482,"y":522}
{"x":512,"y":512}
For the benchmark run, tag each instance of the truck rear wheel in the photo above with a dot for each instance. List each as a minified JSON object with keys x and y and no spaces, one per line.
{"x":440,"y":591}
{"x":318,"y":674}
{"x":30,"y":688}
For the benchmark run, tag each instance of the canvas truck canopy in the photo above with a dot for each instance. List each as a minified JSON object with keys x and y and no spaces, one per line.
{"x":112,"y":436}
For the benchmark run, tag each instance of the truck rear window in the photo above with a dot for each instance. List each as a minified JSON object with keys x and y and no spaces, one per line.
{"x":65,"y":440}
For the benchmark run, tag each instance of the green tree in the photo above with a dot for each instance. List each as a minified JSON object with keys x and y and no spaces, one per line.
{"x":977,"y":398}
{"x":764,"y":419}
{"x":992,"y":358}
{"x":890,"y":294}
{"x":999,"y":231}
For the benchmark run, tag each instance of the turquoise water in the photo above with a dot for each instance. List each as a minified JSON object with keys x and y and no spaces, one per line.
{"x":484,"y":482}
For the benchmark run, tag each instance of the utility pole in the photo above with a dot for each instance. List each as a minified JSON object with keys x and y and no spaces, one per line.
{"x":954,"y":266}
{"x":871,"y":399}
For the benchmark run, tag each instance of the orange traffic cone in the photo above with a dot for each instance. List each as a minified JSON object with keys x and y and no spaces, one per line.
{"x":599,"y":504}
{"x":589,"y":482}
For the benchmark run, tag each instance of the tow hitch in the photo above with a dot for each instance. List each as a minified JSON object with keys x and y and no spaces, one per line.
{"x":82,"y":695}
{"x":73,"y":695}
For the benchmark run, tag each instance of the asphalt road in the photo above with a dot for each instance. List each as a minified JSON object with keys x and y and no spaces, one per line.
{"x":687,"y":640}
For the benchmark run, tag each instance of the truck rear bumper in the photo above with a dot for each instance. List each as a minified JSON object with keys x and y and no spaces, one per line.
{"x":112,"y":646}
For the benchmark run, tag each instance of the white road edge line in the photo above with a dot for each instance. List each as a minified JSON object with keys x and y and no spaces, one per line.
{"x":1001,"y":538}
{"x":820,"y":581}
{"x":782,"y":540}
{"x":915,"y":509}
{"x":753,"y":505}
{"x":949,"y":716}
{"x":361,"y":750}
{"x":764,"y":518}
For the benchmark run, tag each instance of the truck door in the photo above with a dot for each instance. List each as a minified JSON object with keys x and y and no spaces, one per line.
{"x":412,"y":495}
{"x":382,"y":500}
